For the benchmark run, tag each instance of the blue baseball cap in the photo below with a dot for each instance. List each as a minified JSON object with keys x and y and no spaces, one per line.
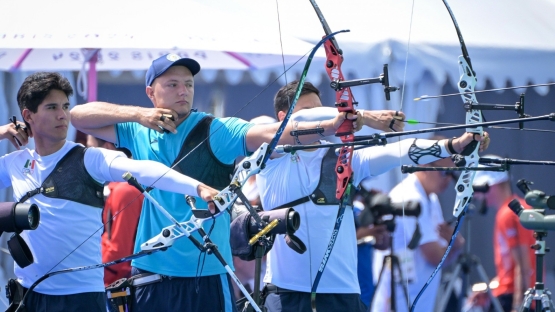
{"x":161,"y":64}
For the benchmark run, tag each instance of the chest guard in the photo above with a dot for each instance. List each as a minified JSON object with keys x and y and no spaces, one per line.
{"x":70,"y":180}
{"x":201,"y":163}
{"x":324,"y":194}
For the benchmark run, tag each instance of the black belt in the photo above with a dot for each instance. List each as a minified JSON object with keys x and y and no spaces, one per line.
{"x":273,"y":289}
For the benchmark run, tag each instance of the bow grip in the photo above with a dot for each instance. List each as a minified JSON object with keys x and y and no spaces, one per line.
{"x":346,"y":128}
{"x":469,"y":149}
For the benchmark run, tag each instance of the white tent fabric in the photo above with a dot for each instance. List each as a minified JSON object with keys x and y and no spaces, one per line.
{"x":497,"y":33}
{"x":507,"y":40}
{"x":216,"y":38}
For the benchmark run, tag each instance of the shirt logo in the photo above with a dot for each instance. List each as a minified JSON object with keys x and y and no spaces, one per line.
{"x":29,"y":167}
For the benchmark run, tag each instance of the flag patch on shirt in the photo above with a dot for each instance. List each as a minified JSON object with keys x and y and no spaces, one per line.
{"x":29,"y":167}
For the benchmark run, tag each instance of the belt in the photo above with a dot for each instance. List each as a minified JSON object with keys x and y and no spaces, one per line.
{"x":273,"y":289}
{"x":145,"y":279}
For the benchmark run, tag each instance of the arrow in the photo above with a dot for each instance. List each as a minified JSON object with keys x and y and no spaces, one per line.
{"x":381,"y":138}
{"x":416,"y":122}
{"x":427,"y":97}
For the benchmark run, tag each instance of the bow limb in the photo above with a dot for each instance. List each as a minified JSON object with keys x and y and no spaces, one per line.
{"x":253,"y":164}
{"x":344,"y":101}
{"x":325,"y":40}
{"x":467,"y":82}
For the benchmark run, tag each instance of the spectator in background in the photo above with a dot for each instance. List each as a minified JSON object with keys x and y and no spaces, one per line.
{"x":514,"y":259}
{"x":120,"y":217}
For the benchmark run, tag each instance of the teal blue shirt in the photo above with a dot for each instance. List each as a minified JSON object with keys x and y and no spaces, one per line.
{"x":227,"y":141}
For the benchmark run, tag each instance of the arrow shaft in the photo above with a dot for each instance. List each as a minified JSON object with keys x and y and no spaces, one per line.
{"x":550,"y":117}
{"x":426,"y":97}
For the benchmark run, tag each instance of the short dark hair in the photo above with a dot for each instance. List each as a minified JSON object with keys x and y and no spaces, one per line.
{"x":36,"y":88}
{"x":286,"y":94}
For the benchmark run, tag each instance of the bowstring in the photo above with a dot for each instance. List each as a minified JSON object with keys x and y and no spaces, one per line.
{"x":281,"y":46}
{"x":403,"y":268}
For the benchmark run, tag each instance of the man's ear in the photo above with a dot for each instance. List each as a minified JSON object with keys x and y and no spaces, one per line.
{"x":281,"y":115}
{"x":150,"y":92}
{"x":26,"y":114}
{"x":27,"y":117}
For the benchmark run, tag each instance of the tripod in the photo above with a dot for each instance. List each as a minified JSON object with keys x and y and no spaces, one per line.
{"x":465,"y":263}
{"x":395,"y":266}
{"x":243,"y":305}
{"x":539,"y":294}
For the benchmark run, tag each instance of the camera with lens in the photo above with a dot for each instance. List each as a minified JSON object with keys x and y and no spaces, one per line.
{"x":378,"y":205}
{"x":17,"y":217}
{"x":244,"y":227}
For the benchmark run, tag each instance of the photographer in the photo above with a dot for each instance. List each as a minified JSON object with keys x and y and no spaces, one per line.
{"x":419,"y":243}
{"x":370,"y":236}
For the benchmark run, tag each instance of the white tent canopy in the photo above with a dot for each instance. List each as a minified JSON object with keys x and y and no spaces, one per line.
{"x":131,"y":34}
{"x":507,"y":40}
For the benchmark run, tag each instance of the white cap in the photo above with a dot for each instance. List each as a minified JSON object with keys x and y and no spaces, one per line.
{"x":490,"y":177}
